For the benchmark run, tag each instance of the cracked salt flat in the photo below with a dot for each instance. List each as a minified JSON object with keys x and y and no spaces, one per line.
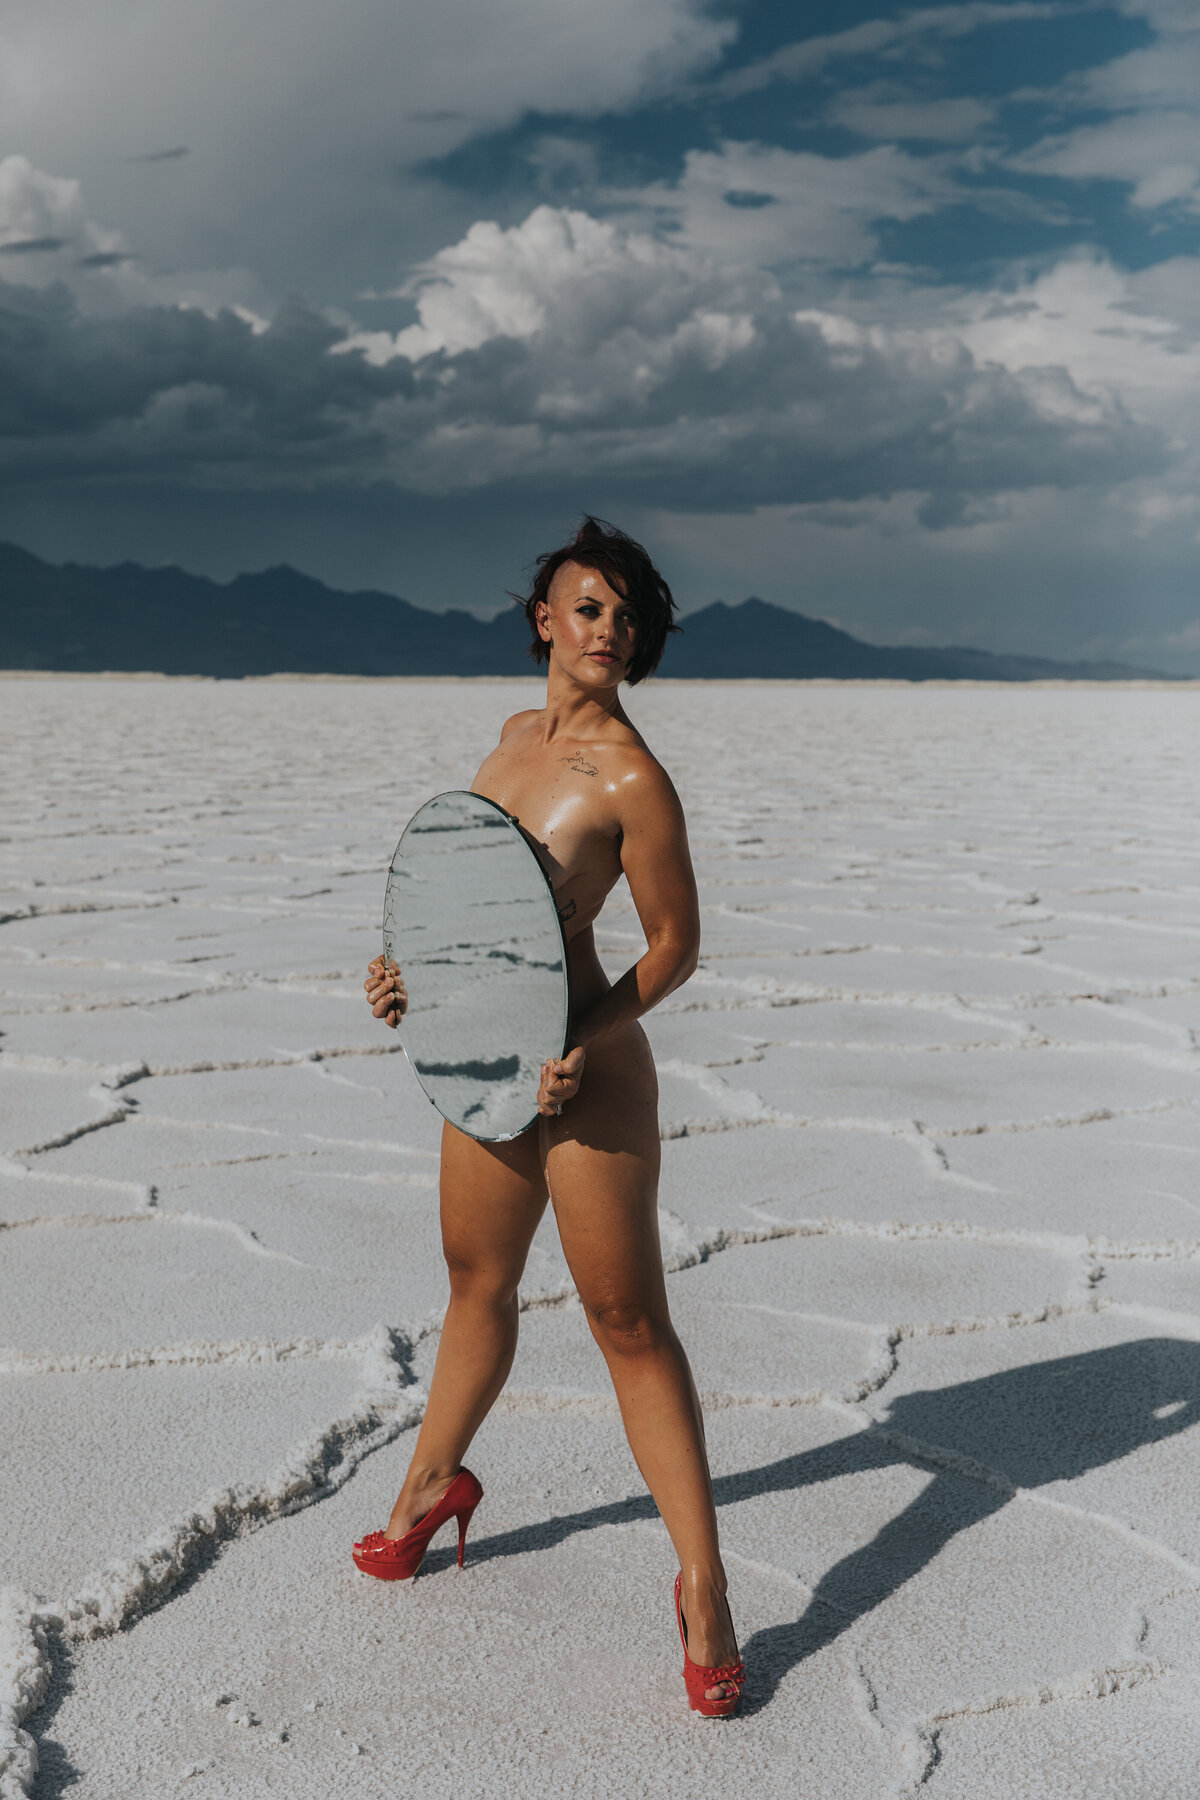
{"x":963,"y":1087}
{"x":1093,"y":1741}
{"x":797,"y":1319}
{"x":1088,"y":1416}
{"x":827,"y":1024}
{"x":43,"y":1101}
{"x":381,"y":1668}
{"x":1147,"y":1167}
{"x":929,"y":1209}
{"x":151,"y":1444}
{"x":210,"y":1025}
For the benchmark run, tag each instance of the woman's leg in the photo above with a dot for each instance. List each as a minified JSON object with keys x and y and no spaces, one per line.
{"x":602,"y":1160}
{"x":492,"y":1198}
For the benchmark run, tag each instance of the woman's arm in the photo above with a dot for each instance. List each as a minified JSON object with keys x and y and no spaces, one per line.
{"x":658,"y":867}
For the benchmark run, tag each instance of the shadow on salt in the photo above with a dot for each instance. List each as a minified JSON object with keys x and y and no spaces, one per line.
{"x":984,"y":1440}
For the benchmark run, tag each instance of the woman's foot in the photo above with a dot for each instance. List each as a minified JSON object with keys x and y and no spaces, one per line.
{"x":419,"y":1495}
{"x":392,"y":1558}
{"x":710,"y":1638}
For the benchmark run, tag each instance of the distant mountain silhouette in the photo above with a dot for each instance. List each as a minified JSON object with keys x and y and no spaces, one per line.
{"x":75,"y":618}
{"x":756,"y":639}
{"x":128,"y":617}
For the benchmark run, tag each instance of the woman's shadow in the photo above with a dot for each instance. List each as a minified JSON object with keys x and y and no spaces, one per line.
{"x":1021,"y":1428}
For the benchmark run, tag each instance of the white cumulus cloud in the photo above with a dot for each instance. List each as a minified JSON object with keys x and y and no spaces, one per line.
{"x":591,"y":277}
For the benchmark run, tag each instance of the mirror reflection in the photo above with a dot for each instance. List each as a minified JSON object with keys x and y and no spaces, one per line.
{"x":470,"y":919}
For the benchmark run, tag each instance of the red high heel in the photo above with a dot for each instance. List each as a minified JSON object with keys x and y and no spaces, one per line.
{"x":696,"y":1678}
{"x":397,"y":1559}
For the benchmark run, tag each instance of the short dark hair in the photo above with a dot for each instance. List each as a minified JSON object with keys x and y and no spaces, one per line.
{"x":627,"y":569}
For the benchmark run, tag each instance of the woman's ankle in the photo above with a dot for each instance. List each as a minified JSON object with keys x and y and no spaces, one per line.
{"x":705,"y":1579}
{"x":421,"y":1478}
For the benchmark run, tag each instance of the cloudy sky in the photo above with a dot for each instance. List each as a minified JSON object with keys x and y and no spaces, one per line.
{"x":888,"y":313}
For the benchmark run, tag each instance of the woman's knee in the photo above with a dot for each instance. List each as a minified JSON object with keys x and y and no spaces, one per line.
{"x":482,"y":1281}
{"x":624,"y":1327}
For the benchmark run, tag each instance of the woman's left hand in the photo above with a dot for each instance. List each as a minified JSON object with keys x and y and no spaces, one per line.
{"x":560,"y":1081}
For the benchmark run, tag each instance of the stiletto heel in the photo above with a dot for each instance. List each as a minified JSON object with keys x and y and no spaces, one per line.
{"x":697,"y":1679}
{"x":398,"y":1559}
{"x":464,"y":1519}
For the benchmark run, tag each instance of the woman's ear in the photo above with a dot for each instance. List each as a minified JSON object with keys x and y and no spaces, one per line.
{"x":543,"y":621}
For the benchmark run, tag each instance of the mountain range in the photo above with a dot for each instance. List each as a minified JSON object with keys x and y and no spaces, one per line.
{"x":71,"y":618}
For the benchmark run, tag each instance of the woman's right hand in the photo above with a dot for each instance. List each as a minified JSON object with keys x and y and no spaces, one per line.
{"x":560,"y":1081}
{"x":387,"y":995}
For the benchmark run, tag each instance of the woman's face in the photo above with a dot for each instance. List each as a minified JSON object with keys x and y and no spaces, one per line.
{"x":592,"y":630}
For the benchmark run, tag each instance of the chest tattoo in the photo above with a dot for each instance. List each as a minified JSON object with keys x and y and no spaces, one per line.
{"x":579,"y":763}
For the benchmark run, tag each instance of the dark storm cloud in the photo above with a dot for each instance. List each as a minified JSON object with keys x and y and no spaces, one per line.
{"x":704,"y":408}
{"x":784,"y":419}
{"x":98,"y":395}
{"x":31,"y":245}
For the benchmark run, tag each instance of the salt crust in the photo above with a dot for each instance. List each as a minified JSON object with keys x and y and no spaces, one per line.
{"x":1102,"y":1737}
{"x":149,"y":1445}
{"x":380,"y":1667}
{"x":930,"y":1122}
{"x":209,"y":1026}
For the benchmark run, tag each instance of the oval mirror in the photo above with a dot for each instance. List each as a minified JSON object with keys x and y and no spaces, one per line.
{"x":469,"y":917}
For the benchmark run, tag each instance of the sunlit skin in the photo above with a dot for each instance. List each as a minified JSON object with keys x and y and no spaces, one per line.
{"x":595,"y":804}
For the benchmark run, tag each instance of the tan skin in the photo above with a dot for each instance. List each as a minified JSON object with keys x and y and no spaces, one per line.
{"x":595,"y":804}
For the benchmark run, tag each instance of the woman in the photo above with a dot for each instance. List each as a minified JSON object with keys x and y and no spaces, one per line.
{"x":595,"y":804}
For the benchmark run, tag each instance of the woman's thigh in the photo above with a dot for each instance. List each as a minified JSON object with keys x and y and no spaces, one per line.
{"x":602,"y":1162}
{"x":492,"y":1197}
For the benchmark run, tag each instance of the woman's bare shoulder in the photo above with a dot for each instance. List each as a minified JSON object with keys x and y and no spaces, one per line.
{"x":641,"y":776}
{"x":520,"y":721}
